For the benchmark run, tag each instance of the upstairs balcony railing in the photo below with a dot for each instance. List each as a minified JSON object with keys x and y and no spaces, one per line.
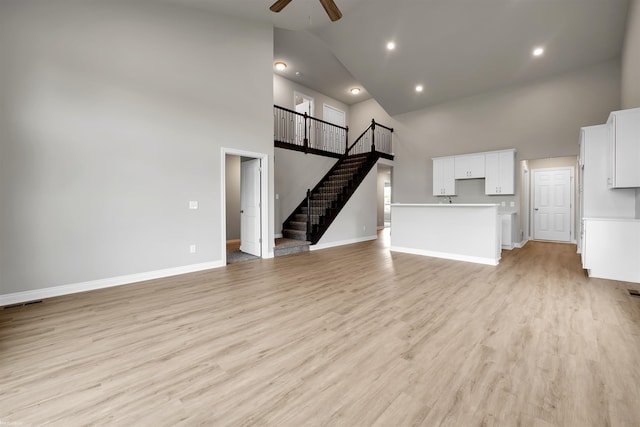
{"x":301,"y":132}
{"x":377,"y":138}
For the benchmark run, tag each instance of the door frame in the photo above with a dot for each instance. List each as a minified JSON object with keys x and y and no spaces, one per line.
{"x":572,"y":200}
{"x":309,"y":98}
{"x":264,"y":199}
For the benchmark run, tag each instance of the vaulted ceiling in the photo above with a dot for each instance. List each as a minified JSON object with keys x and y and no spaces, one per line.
{"x":453,"y":48}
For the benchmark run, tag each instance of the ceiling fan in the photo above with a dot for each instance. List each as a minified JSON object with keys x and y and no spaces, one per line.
{"x":329,"y":6}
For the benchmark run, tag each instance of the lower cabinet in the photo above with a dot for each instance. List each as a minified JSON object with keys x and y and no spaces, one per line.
{"x":611,"y":248}
{"x":507,"y":221}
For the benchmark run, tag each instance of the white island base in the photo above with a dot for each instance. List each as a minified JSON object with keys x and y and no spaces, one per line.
{"x":462,"y":232}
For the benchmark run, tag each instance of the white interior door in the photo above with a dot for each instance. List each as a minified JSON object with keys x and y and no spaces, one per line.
{"x":250,"y":207}
{"x":552,"y":204}
{"x":303,"y":104}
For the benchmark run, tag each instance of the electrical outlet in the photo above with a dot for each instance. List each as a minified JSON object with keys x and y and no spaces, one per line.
{"x":512,"y":204}
{"x":193,"y":204}
{"x":192,"y":249}
{"x":503,"y":204}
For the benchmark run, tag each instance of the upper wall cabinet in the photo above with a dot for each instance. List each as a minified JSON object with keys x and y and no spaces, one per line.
{"x":444,"y":183}
{"x":500,"y":172}
{"x":623,"y":129}
{"x":469,"y":166}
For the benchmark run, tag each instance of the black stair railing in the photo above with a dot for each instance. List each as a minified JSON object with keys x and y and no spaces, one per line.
{"x":376,"y":138}
{"x":301,"y":132}
{"x":309,"y":214}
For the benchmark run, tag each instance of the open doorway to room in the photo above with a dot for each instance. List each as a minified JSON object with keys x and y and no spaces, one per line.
{"x":384,"y":195}
{"x":303,"y":104}
{"x":549,"y":203}
{"x":244,"y":206}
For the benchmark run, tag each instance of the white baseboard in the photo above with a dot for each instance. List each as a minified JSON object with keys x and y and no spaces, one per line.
{"x":56,"y":291}
{"x":445,"y":255}
{"x":328,"y":245}
{"x":277,"y":236}
{"x":521,"y":244}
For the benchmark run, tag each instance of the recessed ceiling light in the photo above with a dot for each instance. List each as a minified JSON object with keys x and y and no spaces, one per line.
{"x":391,"y":46}
{"x":538,"y":51}
{"x":280,"y":66}
{"x":419,"y":88}
{"x":355,"y":90}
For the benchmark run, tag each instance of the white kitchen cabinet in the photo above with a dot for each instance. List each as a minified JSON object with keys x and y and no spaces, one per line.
{"x":469,"y":166}
{"x":500,"y":172}
{"x":507,"y":221}
{"x":624,"y":148}
{"x":444,"y":181}
{"x":611,"y":248}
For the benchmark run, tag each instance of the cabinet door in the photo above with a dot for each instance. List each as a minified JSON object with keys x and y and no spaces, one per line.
{"x":624,"y":143}
{"x":444,"y":183}
{"x":507,"y":173}
{"x":499,"y":173}
{"x":469,"y":166}
{"x":492,"y":171}
{"x":448,"y":177}
{"x":476,"y":166}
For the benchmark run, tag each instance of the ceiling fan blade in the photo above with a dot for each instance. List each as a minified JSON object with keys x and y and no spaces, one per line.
{"x":279,"y":5}
{"x":331,"y":9}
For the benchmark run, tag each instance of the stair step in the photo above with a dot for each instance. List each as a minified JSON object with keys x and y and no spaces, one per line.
{"x":325,"y":196}
{"x":294,"y":234}
{"x":297,"y":225}
{"x":315,"y":210}
{"x":291,"y":249}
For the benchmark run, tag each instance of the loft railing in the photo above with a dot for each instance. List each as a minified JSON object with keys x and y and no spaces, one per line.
{"x":377,"y":138}
{"x":305,"y":133}
{"x":301,"y":132}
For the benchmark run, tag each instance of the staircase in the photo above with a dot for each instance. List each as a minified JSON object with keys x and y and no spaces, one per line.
{"x":300,"y":132}
{"x":316,"y":212}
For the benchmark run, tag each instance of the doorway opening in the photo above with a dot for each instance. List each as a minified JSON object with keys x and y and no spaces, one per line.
{"x":549,"y":192}
{"x":384,"y":195}
{"x":244,"y":206}
{"x":303,"y":104}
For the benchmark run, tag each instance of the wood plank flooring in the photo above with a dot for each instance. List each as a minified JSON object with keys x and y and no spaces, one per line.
{"x":349,"y":336}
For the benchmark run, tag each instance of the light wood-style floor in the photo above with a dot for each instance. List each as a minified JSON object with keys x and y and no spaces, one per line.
{"x":350,"y":336}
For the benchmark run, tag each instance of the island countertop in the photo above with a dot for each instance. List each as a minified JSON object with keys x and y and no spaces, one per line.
{"x":463,"y":232}
{"x":447,"y":204}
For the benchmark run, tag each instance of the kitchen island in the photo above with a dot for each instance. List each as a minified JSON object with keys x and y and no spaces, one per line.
{"x":462,"y":232}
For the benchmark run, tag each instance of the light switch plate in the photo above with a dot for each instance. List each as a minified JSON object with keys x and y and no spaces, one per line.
{"x":503,"y":204}
{"x":192,"y":249}
{"x":512,"y":204}
{"x":193,"y":204}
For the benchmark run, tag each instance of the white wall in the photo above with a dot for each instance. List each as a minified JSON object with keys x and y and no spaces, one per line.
{"x":541,"y":119}
{"x":113,"y":118}
{"x":631,"y":58}
{"x":357,"y":220}
{"x":283,"y":93}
